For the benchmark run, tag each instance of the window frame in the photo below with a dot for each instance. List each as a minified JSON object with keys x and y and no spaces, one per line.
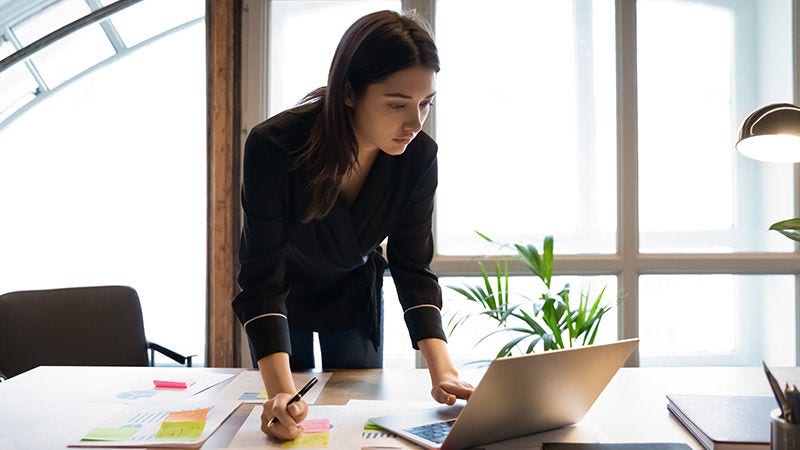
{"x":627,"y":263}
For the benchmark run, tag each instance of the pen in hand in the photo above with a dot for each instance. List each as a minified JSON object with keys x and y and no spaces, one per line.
{"x":297,"y":396}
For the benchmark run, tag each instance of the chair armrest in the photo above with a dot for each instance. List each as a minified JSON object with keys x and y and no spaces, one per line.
{"x":171,"y":354}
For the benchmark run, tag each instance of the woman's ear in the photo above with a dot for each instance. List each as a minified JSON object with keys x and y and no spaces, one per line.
{"x":348,"y":95}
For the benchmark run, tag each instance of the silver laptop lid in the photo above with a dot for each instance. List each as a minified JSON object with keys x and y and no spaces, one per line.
{"x":536,"y":392}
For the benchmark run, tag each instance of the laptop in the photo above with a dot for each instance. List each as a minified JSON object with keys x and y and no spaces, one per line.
{"x":517,"y":396}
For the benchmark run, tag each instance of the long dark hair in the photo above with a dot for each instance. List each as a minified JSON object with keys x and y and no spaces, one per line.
{"x":374,"y":47}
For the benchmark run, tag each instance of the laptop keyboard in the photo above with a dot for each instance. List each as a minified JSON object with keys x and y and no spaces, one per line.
{"x":434,"y":432}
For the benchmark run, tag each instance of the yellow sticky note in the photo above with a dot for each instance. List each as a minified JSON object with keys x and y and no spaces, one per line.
{"x":310,"y":440}
{"x":180,"y":430}
{"x":194,"y":415}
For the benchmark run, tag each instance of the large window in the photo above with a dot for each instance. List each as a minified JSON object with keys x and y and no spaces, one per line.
{"x":609,"y":125}
{"x":103,"y":160}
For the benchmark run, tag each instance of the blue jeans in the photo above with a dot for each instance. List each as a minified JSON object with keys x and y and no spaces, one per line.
{"x":348,"y":349}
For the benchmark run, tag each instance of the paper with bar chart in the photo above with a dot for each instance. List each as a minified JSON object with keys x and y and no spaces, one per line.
{"x":176,"y":424}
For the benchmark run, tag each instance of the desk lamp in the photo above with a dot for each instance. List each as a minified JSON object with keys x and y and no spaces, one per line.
{"x":772,"y":133}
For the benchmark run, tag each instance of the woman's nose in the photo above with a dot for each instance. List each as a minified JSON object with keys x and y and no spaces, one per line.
{"x":414,"y":121}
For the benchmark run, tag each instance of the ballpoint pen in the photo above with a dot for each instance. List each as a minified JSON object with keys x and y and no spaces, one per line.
{"x":297,"y":396}
{"x":783,"y":403}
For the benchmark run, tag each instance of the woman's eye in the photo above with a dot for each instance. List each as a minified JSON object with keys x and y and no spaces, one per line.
{"x":426,"y":104}
{"x":396,"y":105}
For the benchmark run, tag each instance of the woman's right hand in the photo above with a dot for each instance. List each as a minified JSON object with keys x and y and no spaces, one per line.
{"x":285,"y":426}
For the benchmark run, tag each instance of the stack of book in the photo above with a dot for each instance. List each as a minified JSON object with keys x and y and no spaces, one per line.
{"x":725,"y":422}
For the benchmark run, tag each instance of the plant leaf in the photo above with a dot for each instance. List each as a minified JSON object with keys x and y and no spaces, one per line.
{"x":789,"y":228}
{"x":486,"y":238}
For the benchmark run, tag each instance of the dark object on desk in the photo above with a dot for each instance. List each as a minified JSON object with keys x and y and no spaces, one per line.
{"x":83,"y":326}
{"x":723,"y":422}
{"x":616,"y":446}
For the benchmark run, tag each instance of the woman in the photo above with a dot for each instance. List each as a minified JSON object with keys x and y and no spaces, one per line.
{"x":324,"y":184}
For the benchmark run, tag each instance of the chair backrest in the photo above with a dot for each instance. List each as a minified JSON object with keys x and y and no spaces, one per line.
{"x":83,"y":326}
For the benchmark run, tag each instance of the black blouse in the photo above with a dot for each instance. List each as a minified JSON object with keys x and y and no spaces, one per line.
{"x":326,"y":275}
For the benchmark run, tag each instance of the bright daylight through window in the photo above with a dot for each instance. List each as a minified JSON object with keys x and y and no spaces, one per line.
{"x":103,"y":159}
{"x":528,"y":124}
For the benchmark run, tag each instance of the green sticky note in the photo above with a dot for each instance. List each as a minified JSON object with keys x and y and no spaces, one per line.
{"x":171,"y":431}
{"x":371,"y":426}
{"x":110,"y":434}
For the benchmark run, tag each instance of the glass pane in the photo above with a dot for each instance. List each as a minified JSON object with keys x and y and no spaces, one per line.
{"x":6,"y":48}
{"x":526,"y":125}
{"x":115,"y":191}
{"x":297,"y":64}
{"x":49,"y":20}
{"x":702,"y":320}
{"x":462,"y":343}
{"x":19,"y":88}
{"x":72,"y":55}
{"x":151,"y":17}
{"x":702,"y":67}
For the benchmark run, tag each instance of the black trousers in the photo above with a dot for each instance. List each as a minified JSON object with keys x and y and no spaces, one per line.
{"x":348,"y":349}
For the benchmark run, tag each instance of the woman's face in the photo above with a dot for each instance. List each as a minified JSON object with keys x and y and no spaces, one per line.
{"x":390,"y":114}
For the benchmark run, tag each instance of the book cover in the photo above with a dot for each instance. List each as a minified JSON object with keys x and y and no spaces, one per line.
{"x":722,"y":422}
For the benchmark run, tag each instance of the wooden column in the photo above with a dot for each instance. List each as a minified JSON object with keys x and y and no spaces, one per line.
{"x":223,"y":44}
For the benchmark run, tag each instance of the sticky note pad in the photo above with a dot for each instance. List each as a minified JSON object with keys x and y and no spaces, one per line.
{"x":173,"y":384}
{"x":194,"y":415}
{"x":310,"y":440}
{"x":180,"y":430}
{"x":110,"y":434}
{"x":316,"y":425}
{"x":372,"y":426}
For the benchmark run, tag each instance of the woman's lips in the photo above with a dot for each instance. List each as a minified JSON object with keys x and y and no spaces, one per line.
{"x":404,"y":140}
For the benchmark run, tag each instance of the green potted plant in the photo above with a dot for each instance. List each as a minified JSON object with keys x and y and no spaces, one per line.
{"x":551,"y":320}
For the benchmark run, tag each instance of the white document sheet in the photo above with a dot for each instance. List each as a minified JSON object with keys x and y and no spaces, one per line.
{"x":152,"y":424}
{"x":248,"y":387}
{"x":110,"y":384}
{"x":250,"y":436}
{"x":347,"y":428}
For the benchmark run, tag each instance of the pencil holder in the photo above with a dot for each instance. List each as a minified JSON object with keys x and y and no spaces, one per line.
{"x":783,"y":435}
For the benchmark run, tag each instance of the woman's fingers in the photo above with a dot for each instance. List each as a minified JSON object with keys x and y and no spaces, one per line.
{"x":448,"y":391}
{"x":276,"y":420}
{"x":277,"y":430}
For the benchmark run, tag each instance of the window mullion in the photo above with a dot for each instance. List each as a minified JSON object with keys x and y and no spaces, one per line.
{"x":627,"y":171}
{"x":9,"y":34}
{"x":108,"y":28}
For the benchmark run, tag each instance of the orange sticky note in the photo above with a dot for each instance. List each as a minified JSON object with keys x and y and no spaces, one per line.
{"x":173,"y":384}
{"x":193,"y":415}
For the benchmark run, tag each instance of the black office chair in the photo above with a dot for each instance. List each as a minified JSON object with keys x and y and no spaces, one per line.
{"x":82,"y":326}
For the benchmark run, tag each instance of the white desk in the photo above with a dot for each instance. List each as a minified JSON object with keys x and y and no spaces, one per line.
{"x":631,"y":409}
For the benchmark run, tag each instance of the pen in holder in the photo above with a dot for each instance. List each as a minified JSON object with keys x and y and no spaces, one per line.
{"x":784,"y":435}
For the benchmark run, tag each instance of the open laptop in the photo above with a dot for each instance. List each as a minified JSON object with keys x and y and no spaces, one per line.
{"x":517,"y":396}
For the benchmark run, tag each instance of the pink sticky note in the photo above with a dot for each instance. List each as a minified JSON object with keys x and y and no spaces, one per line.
{"x":316,"y":425}
{"x":173,"y":384}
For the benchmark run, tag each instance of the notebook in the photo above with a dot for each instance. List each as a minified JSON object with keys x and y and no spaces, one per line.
{"x":517,"y":396}
{"x":616,"y":446}
{"x":725,"y":422}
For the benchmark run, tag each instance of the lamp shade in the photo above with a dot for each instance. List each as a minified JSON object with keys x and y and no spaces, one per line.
{"x":771,"y":133}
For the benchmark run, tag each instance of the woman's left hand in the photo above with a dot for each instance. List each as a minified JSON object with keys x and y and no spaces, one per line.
{"x":448,"y":387}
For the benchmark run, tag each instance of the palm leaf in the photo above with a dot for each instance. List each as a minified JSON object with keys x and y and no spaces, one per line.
{"x":789,"y":228}
{"x":506,"y":350}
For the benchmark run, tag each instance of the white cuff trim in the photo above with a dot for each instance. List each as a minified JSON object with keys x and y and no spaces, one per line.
{"x":423,"y":306}
{"x":264,"y":315}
